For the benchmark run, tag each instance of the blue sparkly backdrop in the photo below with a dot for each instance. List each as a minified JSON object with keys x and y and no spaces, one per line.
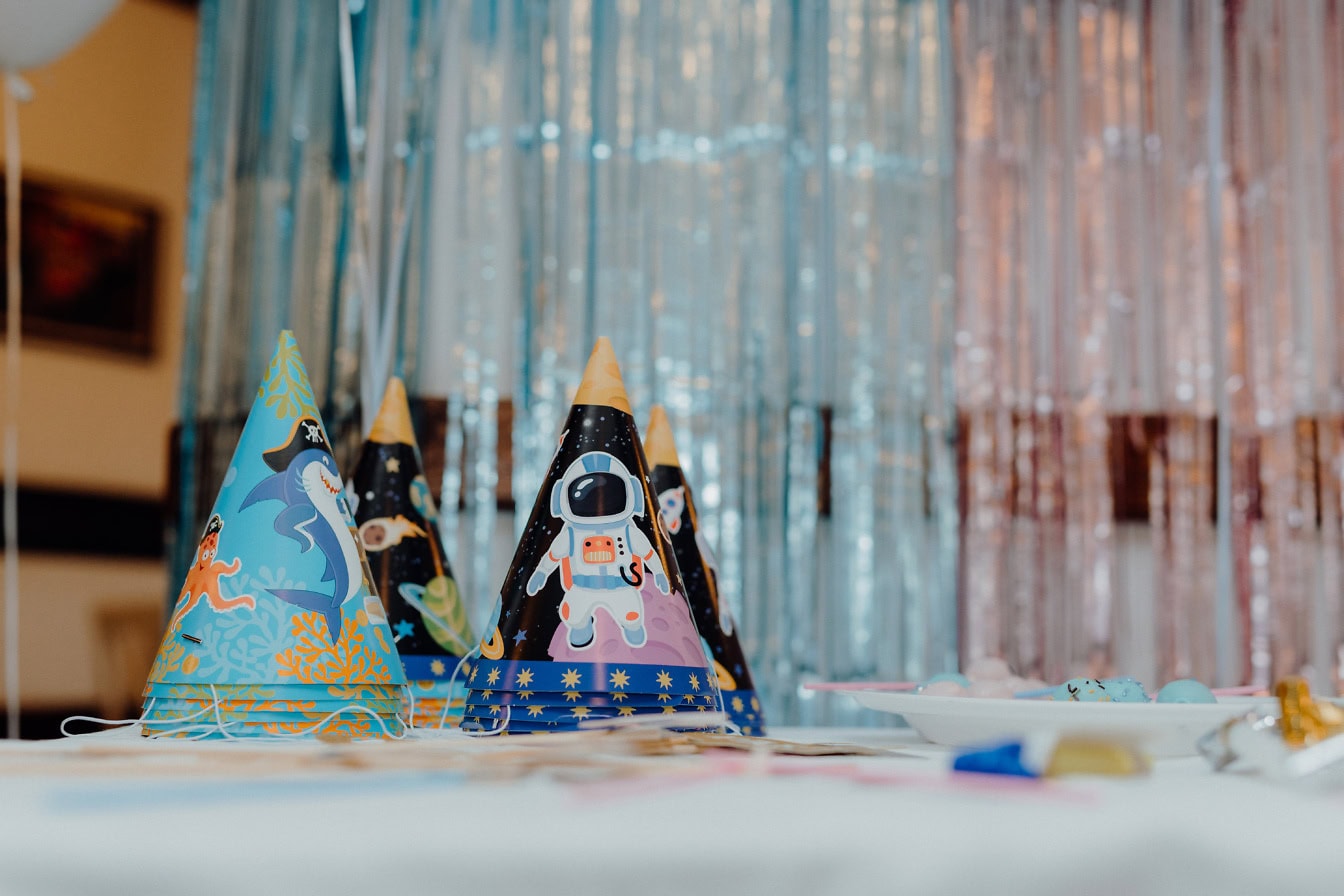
{"x":986,"y":327}
{"x":753,"y":200}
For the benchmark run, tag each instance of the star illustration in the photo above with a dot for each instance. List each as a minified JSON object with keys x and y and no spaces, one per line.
{"x":701,"y":708}
{"x":689,"y":698}
{"x":626,"y":711}
{"x":523,"y":678}
{"x":709,"y":698}
{"x":572,"y":696}
{"x":524,"y":695}
{"x":521,"y":636}
{"x":534,"y":710}
{"x":393,"y":465}
{"x":669,"y":710}
{"x":437,"y":667}
{"x":737,"y":704}
{"x":571,"y":678}
{"x":619,"y":678}
{"x":695,"y":682}
{"x":492,"y":677}
{"x":473,"y":673}
{"x":486,"y":695}
{"x":404,"y":629}
{"x":755,"y":704}
{"x":581,"y":712}
{"x":619,"y":697}
{"x":664,"y":680}
{"x":663,"y":698}
{"x":494,"y":710}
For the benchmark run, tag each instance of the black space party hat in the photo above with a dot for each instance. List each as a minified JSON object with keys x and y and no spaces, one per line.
{"x":593,"y":621}
{"x":396,"y":515}
{"x":699,"y":572}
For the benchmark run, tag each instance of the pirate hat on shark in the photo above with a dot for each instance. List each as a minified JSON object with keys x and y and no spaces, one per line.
{"x":592,"y":621}
{"x":700,"y":573}
{"x":277,"y":631}
{"x":396,"y":516}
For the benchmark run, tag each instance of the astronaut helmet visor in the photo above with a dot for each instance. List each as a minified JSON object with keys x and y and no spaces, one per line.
{"x":598,"y":495}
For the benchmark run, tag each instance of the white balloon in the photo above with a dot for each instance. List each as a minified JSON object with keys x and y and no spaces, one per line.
{"x":33,"y":32}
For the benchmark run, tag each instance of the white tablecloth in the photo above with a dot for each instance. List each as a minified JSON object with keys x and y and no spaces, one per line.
{"x":788,"y":825}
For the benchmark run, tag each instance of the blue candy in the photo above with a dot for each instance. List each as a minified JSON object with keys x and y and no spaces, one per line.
{"x":1185,"y":690}
{"x":955,"y":677}
{"x":1083,"y":690}
{"x":1125,"y":690}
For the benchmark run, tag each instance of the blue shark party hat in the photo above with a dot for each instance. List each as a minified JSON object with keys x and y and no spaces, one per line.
{"x":278,"y":595}
{"x":396,"y":515}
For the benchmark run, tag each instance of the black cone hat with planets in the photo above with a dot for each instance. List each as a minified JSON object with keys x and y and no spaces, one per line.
{"x":699,"y":572}
{"x":396,"y":516}
{"x":593,"y":620}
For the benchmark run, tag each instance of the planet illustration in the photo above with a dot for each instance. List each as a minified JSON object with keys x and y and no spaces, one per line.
{"x":442,"y":611}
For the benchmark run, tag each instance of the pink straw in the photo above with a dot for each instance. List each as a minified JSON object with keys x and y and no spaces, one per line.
{"x":861,"y":686}
{"x":1245,"y":690}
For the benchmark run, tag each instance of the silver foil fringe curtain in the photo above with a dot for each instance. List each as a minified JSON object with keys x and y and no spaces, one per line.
{"x":986,"y":327}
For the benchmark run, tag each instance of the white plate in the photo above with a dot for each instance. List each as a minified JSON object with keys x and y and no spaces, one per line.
{"x":1162,"y":729}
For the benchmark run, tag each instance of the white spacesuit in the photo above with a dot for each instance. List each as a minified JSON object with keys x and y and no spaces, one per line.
{"x":602,"y":556}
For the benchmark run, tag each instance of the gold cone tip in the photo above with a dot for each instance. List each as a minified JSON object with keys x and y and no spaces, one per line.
{"x":601,"y":383}
{"x":659,"y":445}
{"x":393,"y":423}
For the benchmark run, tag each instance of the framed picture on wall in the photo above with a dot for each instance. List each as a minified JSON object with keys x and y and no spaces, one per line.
{"x":88,"y":260}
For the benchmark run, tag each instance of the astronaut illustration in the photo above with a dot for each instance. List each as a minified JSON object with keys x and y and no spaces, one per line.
{"x":671,"y":506}
{"x":602,"y":556}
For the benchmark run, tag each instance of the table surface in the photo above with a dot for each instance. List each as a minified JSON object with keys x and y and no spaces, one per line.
{"x":715,"y":823}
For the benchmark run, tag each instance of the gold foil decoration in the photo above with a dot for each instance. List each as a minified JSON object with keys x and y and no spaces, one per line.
{"x":1305,"y":721}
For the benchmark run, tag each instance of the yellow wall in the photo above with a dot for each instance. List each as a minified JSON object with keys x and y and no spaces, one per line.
{"x":114,"y":113}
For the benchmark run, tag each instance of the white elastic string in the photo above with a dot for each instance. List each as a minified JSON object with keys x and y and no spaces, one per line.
{"x":353,"y":707}
{"x":392,"y":292}
{"x":498,"y":729}
{"x":219,"y":715}
{"x":360,"y":258}
{"x":179,"y":726}
{"x":15,"y":90}
{"x":122,"y":723}
{"x":452,"y":680}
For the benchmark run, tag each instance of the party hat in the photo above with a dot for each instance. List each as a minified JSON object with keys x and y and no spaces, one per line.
{"x":396,"y":516}
{"x":593,"y":605}
{"x":699,"y":571}
{"x":277,"y":600}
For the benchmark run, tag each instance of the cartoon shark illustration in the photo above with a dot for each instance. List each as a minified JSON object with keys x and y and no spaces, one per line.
{"x":307,"y":482}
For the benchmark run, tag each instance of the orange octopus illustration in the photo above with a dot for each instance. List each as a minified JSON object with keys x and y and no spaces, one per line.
{"x":203,"y":579}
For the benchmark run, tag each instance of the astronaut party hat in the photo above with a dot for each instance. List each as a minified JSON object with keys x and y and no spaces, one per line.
{"x":699,"y":572}
{"x":592,"y":621}
{"x":276,"y":630}
{"x":396,"y":516}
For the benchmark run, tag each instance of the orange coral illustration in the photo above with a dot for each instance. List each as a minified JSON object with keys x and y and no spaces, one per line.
{"x":357,"y":727}
{"x":315,"y":660}
{"x":169,"y":659}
